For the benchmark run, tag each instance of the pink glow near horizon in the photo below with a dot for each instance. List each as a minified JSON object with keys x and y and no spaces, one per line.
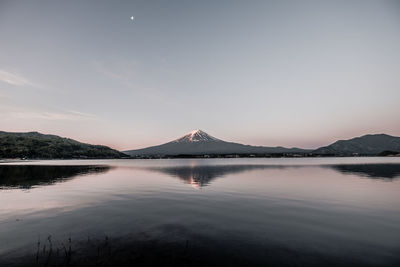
{"x":285,"y":74}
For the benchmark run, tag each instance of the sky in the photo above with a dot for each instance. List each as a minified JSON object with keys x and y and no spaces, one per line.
{"x":289,"y":73}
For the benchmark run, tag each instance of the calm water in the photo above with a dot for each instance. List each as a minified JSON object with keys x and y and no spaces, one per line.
{"x":330,"y":211}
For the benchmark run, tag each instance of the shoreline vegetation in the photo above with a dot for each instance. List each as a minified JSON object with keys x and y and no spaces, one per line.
{"x":211,"y":156}
{"x":275,"y":155}
{"x":143,"y":250}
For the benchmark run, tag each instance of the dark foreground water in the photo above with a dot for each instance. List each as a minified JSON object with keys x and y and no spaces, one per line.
{"x":217,"y":212}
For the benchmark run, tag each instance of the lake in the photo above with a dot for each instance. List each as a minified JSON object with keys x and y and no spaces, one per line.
{"x":198,"y":212}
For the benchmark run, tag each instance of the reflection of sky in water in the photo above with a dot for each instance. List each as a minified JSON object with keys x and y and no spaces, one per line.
{"x":325,"y":207}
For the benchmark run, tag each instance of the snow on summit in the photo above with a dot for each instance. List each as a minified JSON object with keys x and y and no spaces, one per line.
{"x":196,"y":136}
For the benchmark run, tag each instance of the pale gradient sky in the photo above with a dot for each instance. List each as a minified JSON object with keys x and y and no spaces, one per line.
{"x":290,"y":73}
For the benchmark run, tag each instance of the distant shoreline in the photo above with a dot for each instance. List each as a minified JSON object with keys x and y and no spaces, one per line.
{"x":196,"y":144}
{"x":199,"y":157}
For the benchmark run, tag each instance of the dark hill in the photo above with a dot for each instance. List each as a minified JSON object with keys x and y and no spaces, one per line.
{"x":34,"y":145}
{"x":370,"y":144}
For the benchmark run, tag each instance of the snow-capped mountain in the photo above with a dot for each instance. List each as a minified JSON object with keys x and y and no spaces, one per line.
{"x":200,"y":143}
{"x":196,"y":136}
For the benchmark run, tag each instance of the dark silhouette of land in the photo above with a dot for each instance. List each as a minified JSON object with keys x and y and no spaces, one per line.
{"x":368,"y":145}
{"x":34,"y":145}
{"x":197,"y":144}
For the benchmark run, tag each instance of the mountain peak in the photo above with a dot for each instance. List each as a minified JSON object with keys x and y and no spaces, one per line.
{"x":196,"y":136}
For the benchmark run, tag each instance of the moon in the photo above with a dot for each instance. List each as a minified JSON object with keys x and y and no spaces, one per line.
{"x":132,"y":18}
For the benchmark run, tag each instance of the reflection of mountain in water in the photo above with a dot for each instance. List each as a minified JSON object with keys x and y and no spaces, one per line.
{"x":200,"y":176}
{"x":379,"y":171}
{"x":26,"y":176}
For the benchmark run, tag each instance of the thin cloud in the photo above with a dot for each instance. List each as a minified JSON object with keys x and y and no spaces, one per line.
{"x":50,"y":116}
{"x":81,"y":114}
{"x":68,"y":115}
{"x":15,"y":79}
